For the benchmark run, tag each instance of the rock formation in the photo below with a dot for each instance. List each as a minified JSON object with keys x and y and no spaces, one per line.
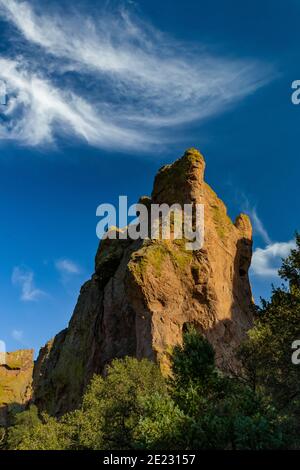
{"x":143,"y":294}
{"x":15,"y":382}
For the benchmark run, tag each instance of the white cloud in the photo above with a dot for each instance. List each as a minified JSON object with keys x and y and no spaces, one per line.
{"x":66,"y":266}
{"x":259,"y":227}
{"x":267,"y":261}
{"x":38,"y":108}
{"x":17,"y":335}
{"x":131,"y":80}
{"x":25,"y":279}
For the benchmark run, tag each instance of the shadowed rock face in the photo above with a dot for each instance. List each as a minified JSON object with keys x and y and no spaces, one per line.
{"x":143,"y":294}
{"x":15,"y":382}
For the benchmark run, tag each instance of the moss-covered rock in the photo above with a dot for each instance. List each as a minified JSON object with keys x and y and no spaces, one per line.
{"x":15,"y":382}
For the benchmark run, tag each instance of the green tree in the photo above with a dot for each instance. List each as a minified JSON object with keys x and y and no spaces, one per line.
{"x":161,"y":425}
{"x":111,"y":410}
{"x":116,"y":401}
{"x":267,"y":354}
{"x":222,"y":411}
{"x":30,"y":432}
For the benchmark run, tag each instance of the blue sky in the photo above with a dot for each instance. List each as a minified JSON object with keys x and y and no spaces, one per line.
{"x":103,"y":93}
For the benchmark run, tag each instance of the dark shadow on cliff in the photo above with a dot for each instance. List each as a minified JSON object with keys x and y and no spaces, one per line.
{"x":7,"y":412}
{"x":242,"y":309}
{"x":226,"y":335}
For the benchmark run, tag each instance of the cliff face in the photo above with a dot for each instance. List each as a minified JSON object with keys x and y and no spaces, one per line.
{"x":144,"y":293}
{"x":15,"y":382}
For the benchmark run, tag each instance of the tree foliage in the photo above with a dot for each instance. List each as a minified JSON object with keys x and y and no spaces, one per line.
{"x":267,"y":354}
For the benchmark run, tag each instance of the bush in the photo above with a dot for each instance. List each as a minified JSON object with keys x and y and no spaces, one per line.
{"x":111,"y":410}
{"x":266,"y":355}
{"x":30,"y":432}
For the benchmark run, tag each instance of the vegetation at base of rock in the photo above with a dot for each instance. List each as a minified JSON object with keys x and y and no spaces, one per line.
{"x":266,"y":355}
{"x":198,"y":406}
{"x":134,"y":407}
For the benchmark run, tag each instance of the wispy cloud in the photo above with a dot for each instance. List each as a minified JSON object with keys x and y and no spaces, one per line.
{"x":259,"y":227}
{"x":248,"y":208}
{"x":37,"y":109}
{"x":24,"y":278}
{"x":67,"y":266}
{"x":69,"y":271}
{"x":17,"y":335}
{"x":113,"y":80}
{"x":267,"y":261}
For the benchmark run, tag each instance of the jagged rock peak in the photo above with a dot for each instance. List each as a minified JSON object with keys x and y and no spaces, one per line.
{"x":144,"y":292}
{"x":180,"y":182}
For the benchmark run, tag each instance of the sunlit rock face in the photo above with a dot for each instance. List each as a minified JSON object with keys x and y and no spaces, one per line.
{"x":15,"y":382}
{"x":144,"y":293}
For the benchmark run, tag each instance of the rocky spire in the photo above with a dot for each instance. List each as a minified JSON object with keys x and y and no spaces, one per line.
{"x":144,"y":293}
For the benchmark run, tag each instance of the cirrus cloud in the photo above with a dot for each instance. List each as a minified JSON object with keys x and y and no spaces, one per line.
{"x":112,"y":80}
{"x":17,"y":335}
{"x":67,"y":266}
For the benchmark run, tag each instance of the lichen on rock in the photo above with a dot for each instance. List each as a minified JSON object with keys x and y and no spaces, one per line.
{"x":15,"y":382}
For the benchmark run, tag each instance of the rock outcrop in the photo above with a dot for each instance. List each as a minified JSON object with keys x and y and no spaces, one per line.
{"x":15,"y":382}
{"x":143,"y":294}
